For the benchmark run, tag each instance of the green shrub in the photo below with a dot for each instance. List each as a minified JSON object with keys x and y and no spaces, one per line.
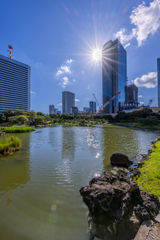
{"x":17,"y":129}
{"x":8,"y":144}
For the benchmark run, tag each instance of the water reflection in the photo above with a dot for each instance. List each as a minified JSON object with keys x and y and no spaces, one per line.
{"x":68,"y":143}
{"x":130,"y":142}
{"x":14,"y":171}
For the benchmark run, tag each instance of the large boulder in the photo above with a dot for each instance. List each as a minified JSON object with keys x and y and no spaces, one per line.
{"x":119,"y":159}
{"x":116,"y":204}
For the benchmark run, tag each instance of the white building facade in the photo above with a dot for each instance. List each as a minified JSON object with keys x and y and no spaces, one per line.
{"x":14,"y":85}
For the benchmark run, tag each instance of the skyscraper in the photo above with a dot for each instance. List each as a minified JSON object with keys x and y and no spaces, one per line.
{"x":51,"y":109}
{"x":114,"y":75}
{"x":92,"y":107}
{"x":14,"y":85}
{"x":68,"y":101}
{"x":158,"y":76}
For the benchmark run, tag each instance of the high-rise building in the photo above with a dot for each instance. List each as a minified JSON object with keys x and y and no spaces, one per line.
{"x":86,"y":110}
{"x":51,"y":109}
{"x":92,"y":107}
{"x":158,"y":76}
{"x":68,"y":101}
{"x":74,"y":109}
{"x":131,"y":98}
{"x":14,"y":85}
{"x":55,"y":110}
{"x":114,"y":75}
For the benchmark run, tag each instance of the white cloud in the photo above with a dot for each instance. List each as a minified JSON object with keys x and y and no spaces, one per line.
{"x":64,"y":82}
{"x":141,"y":103}
{"x":59,"y":104}
{"x":77,"y":100}
{"x":146,"y":20}
{"x":63,"y":69}
{"x":70,"y":61}
{"x":32,"y":92}
{"x":148,"y":81}
{"x":74,"y":80}
{"x":128,"y":44}
{"x":140,"y":96}
{"x":82,"y":72}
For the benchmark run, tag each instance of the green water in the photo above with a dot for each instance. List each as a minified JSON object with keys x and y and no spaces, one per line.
{"x":39,"y":185}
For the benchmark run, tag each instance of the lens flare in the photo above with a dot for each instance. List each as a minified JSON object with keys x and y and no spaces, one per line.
{"x":97,"y":54}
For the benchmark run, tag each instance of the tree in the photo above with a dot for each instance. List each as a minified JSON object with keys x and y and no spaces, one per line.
{"x":8,"y":113}
{"x":39,"y":120}
{"x":22,"y":120}
{"x":20,"y":112}
{"x":32,"y":116}
{"x":2,"y":118}
{"x":40,"y":113}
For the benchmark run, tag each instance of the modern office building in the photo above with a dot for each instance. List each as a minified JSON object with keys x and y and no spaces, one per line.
{"x":68,"y":101}
{"x":131,"y":97}
{"x":51,"y":109}
{"x":158,"y":77}
{"x":86,"y":110}
{"x":55,"y":110}
{"x":92,"y":107}
{"x":114,"y":75}
{"x":74,"y":110}
{"x":14,"y":85}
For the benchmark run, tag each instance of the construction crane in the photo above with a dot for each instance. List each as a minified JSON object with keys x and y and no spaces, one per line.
{"x":101,"y":109}
{"x":96,"y":100}
{"x":150,"y":102}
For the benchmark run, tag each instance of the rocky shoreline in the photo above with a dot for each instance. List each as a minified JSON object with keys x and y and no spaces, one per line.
{"x":117,"y":206}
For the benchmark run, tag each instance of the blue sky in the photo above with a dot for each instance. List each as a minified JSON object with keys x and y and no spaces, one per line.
{"x":57,"y":38}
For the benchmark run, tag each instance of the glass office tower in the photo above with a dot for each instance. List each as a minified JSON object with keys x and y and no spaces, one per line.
{"x":158,"y":76}
{"x":14,"y":85}
{"x":68,"y":101}
{"x":114,"y":75}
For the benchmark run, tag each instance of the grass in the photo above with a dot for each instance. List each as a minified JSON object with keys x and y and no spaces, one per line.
{"x":154,"y":127}
{"x":9,"y":144}
{"x":16,"y":129}
{"x":150,"y":173}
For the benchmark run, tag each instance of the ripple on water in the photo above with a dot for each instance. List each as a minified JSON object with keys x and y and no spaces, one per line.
{"x":40,"y":185}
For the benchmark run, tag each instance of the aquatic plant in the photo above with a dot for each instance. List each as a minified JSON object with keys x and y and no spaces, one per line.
{"x":9,"y":144}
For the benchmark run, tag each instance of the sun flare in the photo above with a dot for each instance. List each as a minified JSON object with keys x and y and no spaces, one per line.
{"x":97,"y":54}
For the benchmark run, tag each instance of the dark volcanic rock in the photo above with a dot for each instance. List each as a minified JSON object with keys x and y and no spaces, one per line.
{"x":134,"y":171}
{"x":119,"y":159}
{"x":116,"y":204}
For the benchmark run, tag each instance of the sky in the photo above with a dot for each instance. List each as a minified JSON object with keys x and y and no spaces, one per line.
{"x":57,"y":39}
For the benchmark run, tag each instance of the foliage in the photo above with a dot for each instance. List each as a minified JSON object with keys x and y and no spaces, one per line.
{"x":7,"y":114}
{"x":82,"y":122}
{"x":16,"y":129}
{"x":8,"y":144}
{"x":150,"y":173}
{"x":2,"y":118}
{"x":20,"y":112}
{"x":40,"y":114}
{"x":39,"y":120}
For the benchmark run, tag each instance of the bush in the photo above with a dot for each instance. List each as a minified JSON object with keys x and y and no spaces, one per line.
{"x":8,"y":144}
{"x":17,"y":129}
{"x":82,"y":122}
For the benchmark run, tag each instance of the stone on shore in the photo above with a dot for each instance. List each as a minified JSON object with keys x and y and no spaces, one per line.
{"x":119,"y":159}
{"x":117,"y":207}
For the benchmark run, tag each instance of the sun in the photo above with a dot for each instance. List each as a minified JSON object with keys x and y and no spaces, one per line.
{"x":97,"y":54}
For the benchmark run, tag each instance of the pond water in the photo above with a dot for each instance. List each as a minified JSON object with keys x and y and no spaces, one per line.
{"x":39,"y":185}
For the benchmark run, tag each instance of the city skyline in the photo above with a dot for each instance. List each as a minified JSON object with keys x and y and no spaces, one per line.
{"x":58,"y":40}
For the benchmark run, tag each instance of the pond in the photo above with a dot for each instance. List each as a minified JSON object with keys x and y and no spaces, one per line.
{"x":39,"y":185}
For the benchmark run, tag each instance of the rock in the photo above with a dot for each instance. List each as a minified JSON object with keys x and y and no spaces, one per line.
{"x":134,"y":171}
{"x":119,"y":159}
{"x":117,"y":207}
